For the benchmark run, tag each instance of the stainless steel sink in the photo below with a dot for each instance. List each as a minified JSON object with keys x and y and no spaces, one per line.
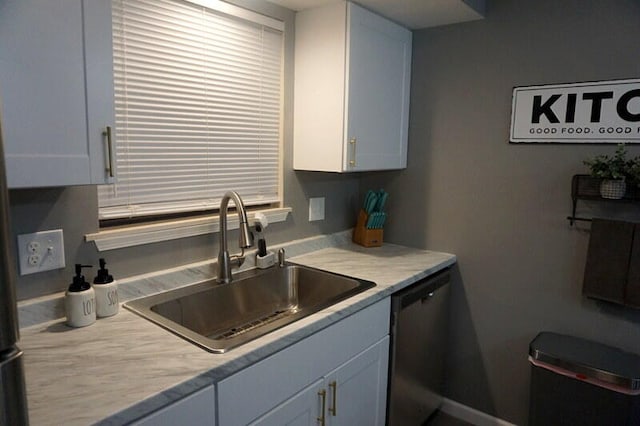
{"x":218,"y":317}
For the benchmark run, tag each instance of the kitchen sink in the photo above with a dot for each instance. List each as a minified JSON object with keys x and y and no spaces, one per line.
{"x":218,"y":317}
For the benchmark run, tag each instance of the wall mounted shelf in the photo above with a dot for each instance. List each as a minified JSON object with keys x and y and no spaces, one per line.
{"x":587,"y":188}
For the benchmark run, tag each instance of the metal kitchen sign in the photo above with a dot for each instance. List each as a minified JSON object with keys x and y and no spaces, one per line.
{"x":592,"y":112}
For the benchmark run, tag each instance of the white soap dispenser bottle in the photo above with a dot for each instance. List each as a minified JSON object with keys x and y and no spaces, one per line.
{"x":106,"y":289}
{"x":80,"y":301}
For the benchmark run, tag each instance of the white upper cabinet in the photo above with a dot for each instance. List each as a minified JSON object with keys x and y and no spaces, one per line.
{"x":56,"y":91}
{"x":352,"y":82}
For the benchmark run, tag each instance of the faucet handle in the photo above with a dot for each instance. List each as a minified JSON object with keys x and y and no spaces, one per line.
{"x":281,"y":257}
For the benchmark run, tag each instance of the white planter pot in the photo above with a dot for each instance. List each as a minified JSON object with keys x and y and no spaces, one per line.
{"x":613,"y":189}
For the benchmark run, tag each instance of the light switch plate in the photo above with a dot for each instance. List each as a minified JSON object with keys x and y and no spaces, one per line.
{"x":41,"y":251}
{"x":316,"y":209}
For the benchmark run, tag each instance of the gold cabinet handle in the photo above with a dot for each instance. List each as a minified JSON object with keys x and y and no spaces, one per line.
{"x":334,"y":391}
{"x":107,"y":132}
{"x":323,"y":396}
{"x":352,"y":142}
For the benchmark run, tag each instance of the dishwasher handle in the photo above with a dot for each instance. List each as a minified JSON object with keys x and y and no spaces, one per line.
{"x":420,"y":290}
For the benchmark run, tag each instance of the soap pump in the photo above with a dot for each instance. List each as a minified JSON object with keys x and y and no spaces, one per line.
{"x":106,"y":289}
{"x":80,"y":300}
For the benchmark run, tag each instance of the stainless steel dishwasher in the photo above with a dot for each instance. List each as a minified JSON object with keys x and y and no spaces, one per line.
{"x":419,"y":327}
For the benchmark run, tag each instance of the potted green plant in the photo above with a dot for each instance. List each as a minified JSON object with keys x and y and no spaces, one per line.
{"x":613,"y":171}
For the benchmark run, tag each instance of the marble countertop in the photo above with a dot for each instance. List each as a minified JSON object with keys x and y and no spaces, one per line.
{"x":124,"y":367}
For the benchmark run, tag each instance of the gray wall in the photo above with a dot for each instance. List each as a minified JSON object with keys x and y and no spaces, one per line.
{"x":74,"y":209}
{"x":501,"y":208}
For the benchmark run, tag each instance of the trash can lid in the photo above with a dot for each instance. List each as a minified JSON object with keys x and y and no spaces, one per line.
{"x":591,"y":359}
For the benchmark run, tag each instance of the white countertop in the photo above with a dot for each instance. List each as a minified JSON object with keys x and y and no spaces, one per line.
{"x":124,"y":367}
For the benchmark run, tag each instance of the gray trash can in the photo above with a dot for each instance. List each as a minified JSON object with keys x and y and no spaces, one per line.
{"x":579,"y":382}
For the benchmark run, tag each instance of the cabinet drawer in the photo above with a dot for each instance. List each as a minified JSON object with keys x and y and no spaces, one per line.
{"x":254,"y":391}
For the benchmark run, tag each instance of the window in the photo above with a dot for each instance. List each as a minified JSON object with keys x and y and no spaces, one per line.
{"x":198,"y":108}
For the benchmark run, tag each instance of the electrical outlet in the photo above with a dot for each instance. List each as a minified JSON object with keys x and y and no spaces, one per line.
{"x":33,"y":247}
{"x":41,"y":251}
{"x":316,"y":209}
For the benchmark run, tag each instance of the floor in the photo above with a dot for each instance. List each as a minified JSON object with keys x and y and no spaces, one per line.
{"x":443,"y":419}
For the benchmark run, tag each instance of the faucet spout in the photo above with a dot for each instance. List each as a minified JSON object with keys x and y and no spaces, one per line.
{"x":226,"y":262}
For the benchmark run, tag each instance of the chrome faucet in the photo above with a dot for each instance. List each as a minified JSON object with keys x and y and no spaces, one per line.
{"x":226,"y":262}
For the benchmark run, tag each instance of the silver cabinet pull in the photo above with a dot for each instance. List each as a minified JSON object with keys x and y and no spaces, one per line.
{"x":334,"y":390}
{"x":323,"y":396}
{"x":352,"y":142}
{"x":107,"y":133}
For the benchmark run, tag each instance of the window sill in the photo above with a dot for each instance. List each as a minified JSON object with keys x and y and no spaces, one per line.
{"x":152,"y":233}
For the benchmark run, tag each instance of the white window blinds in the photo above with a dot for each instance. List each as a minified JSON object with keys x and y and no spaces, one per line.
{"x":198,"y":107}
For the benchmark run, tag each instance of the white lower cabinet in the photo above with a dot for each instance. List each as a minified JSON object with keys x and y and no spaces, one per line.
{"x":197,"y":409}
{"x":342,"y":368}
{"x":352,"y":394}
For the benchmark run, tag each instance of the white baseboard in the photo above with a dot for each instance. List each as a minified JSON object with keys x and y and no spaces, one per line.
{"x":471,"y":415}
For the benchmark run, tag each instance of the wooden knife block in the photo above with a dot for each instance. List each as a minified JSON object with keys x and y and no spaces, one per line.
{"x":366,"y":237}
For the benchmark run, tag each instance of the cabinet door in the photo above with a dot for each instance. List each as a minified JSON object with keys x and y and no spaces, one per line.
{"x":379,"y":73}
{"x":193,"y":410}
{"x":357,"y":390}
{"x":320,"y":63}
{"x":52,"y":96}
{"x":303,"y":409}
